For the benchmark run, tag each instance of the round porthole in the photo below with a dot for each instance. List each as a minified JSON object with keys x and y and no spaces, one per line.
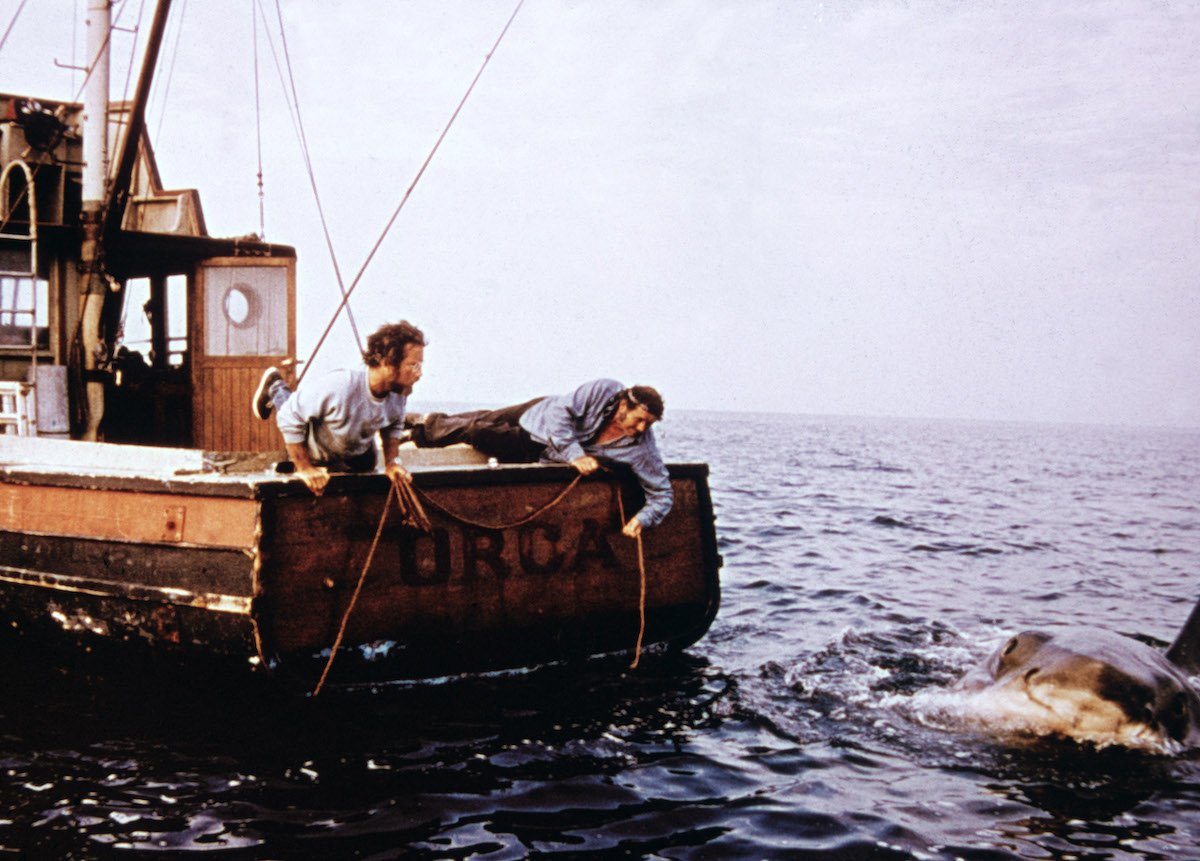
{"x":242,"y":306}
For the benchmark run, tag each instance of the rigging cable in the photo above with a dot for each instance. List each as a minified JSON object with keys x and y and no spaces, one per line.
{"x":124,"y":121}
{"x":166,"y":89}
{"x":11,"y":24}
{"x":403,"y":200}
{"x":103,"y":47}
{"x":278,"y":67}
{"x":312,"y":178}
{"x":262,"y":212}
{"x":287,"y":99}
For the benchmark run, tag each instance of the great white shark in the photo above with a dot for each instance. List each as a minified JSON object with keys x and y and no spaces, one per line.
{"x":1093,"y":686}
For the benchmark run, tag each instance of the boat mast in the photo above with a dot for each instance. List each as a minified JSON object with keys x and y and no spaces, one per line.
{"x":106,"y":192}
{"x":98,"y":26}
{"x":95,"y":106}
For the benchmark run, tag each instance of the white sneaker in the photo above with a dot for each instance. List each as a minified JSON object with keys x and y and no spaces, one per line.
{"x":260,"y":405}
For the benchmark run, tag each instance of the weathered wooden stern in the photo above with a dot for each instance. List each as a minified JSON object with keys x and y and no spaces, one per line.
{"x":505,"y":578}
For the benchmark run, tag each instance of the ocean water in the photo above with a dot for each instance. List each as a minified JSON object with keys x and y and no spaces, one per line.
{"x":867,"y":564}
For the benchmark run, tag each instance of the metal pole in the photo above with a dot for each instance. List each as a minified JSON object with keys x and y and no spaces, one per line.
{"x":98,"y":26}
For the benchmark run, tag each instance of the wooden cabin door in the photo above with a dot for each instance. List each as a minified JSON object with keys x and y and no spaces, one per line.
{"x":243,"y":320}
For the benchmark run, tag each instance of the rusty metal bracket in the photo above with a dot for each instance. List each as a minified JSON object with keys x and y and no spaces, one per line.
{"x":173,"y":517}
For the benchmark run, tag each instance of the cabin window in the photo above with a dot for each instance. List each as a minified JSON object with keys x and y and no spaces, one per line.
{"x":177,"y":320}
{"x":245,"y":311}
{"x":138,"y":324}
{"x":135,"y":326}
{"x":24,"y":312}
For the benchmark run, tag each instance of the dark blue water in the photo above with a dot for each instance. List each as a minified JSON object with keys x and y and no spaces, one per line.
{"x":867,"y":563}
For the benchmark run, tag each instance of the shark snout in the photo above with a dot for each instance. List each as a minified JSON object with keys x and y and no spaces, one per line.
{"x":1094,"y":685}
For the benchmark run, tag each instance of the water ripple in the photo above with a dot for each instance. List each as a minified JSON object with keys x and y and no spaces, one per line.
{"x":888,"y":557}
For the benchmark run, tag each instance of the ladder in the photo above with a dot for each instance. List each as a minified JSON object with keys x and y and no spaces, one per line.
{"x":18,"y":292}
{"x":14,"y":408}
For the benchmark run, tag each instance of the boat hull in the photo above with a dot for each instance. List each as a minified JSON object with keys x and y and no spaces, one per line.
{"x":521,"y":567}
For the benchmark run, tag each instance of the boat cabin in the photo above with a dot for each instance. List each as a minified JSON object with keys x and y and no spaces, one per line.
{"x":182,"y":324}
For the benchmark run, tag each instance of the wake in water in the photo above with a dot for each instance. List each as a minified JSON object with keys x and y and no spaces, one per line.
{"x":900,"y":684}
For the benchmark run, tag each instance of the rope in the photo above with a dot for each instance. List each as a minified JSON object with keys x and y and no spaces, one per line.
{"x":410,"y":505}
{"x":387,"y":228}
{"x":12,"y":24}
{"x":165,"y":90}
{"x":411,"y":514}
{"x":262,"y":217}
{"x":637,"y":649}
{"x":501,"y":526}
{"x":312,"y":180}
{"x":337,"y":641}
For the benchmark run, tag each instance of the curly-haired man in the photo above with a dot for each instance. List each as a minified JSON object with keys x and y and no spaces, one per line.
{"x":330,"y":422}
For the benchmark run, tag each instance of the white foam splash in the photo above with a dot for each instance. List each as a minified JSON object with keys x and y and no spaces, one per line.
{"x":1011,"y":714}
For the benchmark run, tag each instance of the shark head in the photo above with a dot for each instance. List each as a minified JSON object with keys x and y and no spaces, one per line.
{"x":1089,"y":685}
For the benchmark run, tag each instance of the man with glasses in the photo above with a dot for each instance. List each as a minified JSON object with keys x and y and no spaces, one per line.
{"x":330,"y":422}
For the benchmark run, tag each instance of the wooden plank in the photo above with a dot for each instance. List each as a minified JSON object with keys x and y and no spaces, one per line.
{"x":194,"y":569}
{"x":499,"y":582}
{"x":225,"y":422}
{"x":114,"y":515}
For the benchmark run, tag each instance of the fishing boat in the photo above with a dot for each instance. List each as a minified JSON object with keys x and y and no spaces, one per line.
{"x":141,"y":508}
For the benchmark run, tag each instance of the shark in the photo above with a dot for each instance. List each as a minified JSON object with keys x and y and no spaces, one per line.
{"x":1093,"y":686}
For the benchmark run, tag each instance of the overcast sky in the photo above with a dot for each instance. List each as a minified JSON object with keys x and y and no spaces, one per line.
{"x":981,"y":210}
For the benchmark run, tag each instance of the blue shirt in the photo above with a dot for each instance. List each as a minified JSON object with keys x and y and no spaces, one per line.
{"x":568,"y":424}
{"x":337,"y":416}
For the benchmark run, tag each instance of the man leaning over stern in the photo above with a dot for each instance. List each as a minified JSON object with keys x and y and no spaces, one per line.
{"x":601,"y":421}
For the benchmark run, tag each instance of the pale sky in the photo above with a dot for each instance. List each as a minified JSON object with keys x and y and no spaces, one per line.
{"x":944,"y":209}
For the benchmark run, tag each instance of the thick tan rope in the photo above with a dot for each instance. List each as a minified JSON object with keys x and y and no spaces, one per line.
{"x":500,"y":526}
{"x":410,"y":505}
{"x":637,"y":649}
{"x":337,"y":642}
{"x":413,"y":514}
